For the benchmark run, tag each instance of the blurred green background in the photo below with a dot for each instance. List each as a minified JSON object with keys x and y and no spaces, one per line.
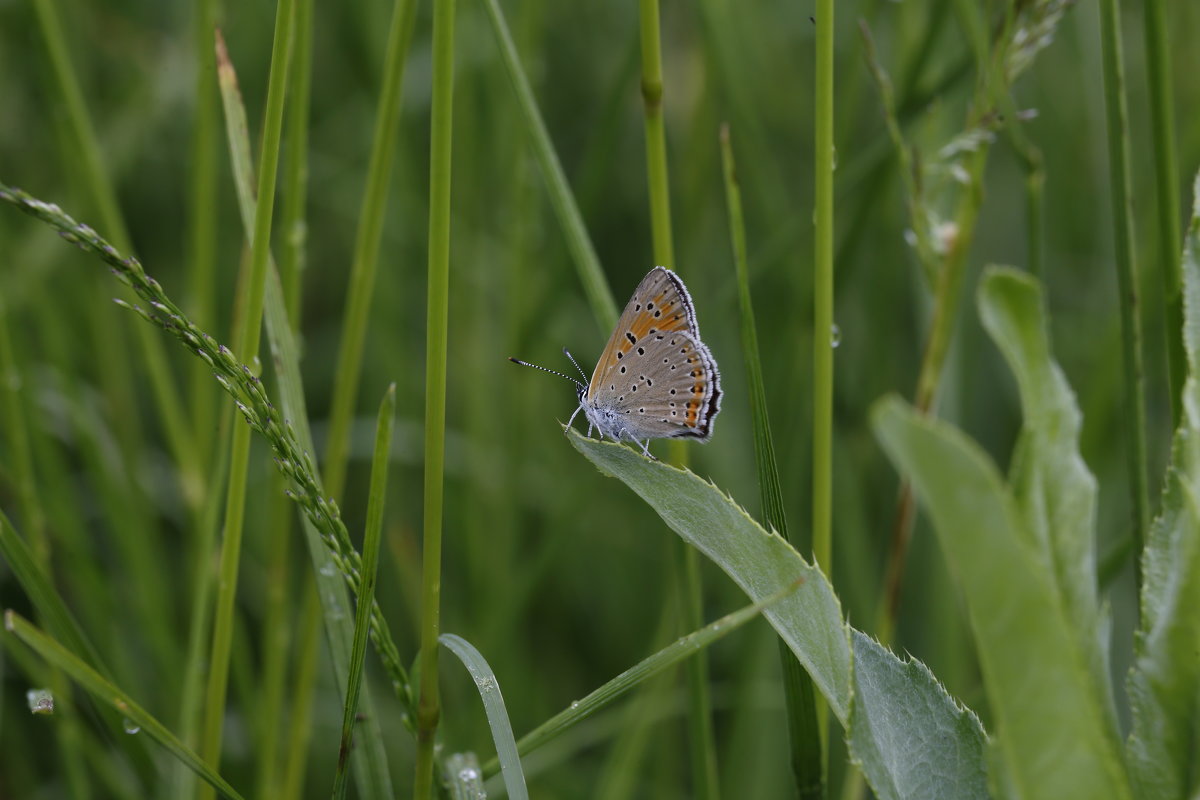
{"x":561,"y":577}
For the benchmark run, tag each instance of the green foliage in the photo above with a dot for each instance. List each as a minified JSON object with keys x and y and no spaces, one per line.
{"x":900,"y":712}
{"x":1033,"y":671}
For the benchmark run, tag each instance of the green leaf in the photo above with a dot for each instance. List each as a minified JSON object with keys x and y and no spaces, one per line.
{"x":810,"y":622}
{"x":1054,"y":490}
{"x":1164,"y":686}
{"x":761,"y":562}
{"x":1051,"y":727}
{"x":891,"y":735}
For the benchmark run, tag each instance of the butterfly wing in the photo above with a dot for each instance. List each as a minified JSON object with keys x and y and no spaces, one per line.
{"x":660,"y":305}
{"x":655,"y":377}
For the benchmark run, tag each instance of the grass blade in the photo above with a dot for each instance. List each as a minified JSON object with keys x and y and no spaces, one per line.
{"x":1117,"y":118}
{"x":333,"y":558}
{"x":436,"y":333}
{"x":681,"y":648}
{"x":366,"y":590}
{"x":366,"y":246}
{"x":803,"y":725}
{"x":106,"y":692}
{"x":493,"y":703}
{"x":604,"y":308}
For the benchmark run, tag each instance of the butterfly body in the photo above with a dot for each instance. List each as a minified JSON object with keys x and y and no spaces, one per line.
{"x":655,"y":379}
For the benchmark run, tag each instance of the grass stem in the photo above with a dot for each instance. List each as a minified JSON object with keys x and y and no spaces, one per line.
{"x":1117,"y":118}
{"x":441,"y":128}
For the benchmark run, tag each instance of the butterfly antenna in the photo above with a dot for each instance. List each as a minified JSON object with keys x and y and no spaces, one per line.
{"x":545,"y":369}
{"x":567,"y":353}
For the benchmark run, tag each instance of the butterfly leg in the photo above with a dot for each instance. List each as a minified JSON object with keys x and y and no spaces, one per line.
{"x":646,"y":449}
{"x":572,"y":419}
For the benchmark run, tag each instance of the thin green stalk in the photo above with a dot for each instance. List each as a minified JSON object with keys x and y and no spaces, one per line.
{"x":300,"y":725}
{"x":247,"y":343}
{"x":1117,"y":117}
{"x":19,"y":455}
{"x":428,"y":704}
{"x":803,"y":728}
{"x":295,"y":171}
{"x":366,"y":589}
{"x":202,"y":221}
{"x":656,"y":137}
{"x":366,"y":246}
{"x":824,"y":159}
{"x":701,"y":736}
{"x":277,"y":635}
{"x":1166,"y":182}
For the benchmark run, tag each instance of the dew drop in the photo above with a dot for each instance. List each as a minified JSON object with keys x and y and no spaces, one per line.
{"x":835,"y":335}
{"x":40,"y":701}
{"x":130,"y":726}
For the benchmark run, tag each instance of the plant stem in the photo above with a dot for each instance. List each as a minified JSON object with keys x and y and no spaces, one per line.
{"x":824,"y":158}
{"x":701,"y":737}
{"x":1166,"y":181}
{"x":1127,"y":280}
{"x":246,"y":344}
{"x":428,"y":704}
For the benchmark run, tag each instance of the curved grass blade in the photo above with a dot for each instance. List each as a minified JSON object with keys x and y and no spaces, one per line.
{"x":366,"y":589}
{"x":604,"y":308}
{"x":104,"y":691}
{"x":493,"y":704}
{"x":804,"y":731}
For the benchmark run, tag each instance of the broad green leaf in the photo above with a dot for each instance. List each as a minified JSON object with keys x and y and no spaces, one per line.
{"x":892,"y":735}
{"x":1050,"y":724}
{"x":939,"y":737}
{"x":1164,"y":685}
{"x":1054,"y":490}
{"x":761,"y":562}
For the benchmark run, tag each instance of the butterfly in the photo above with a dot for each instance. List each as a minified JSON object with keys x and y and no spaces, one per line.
{"x":655,"y":378}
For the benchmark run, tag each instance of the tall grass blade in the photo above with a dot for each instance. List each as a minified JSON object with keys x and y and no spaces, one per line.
{"x":1117,"y":119}
{"x":366,"y":589}
{"x":328,"y":545}
{"x":104,"y":691}
{"x":366,"y":245}
{"x":246,"y":350}
{"x":804,"y":734}
{"x":436,"y":332}
{"x":604,"y":308}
